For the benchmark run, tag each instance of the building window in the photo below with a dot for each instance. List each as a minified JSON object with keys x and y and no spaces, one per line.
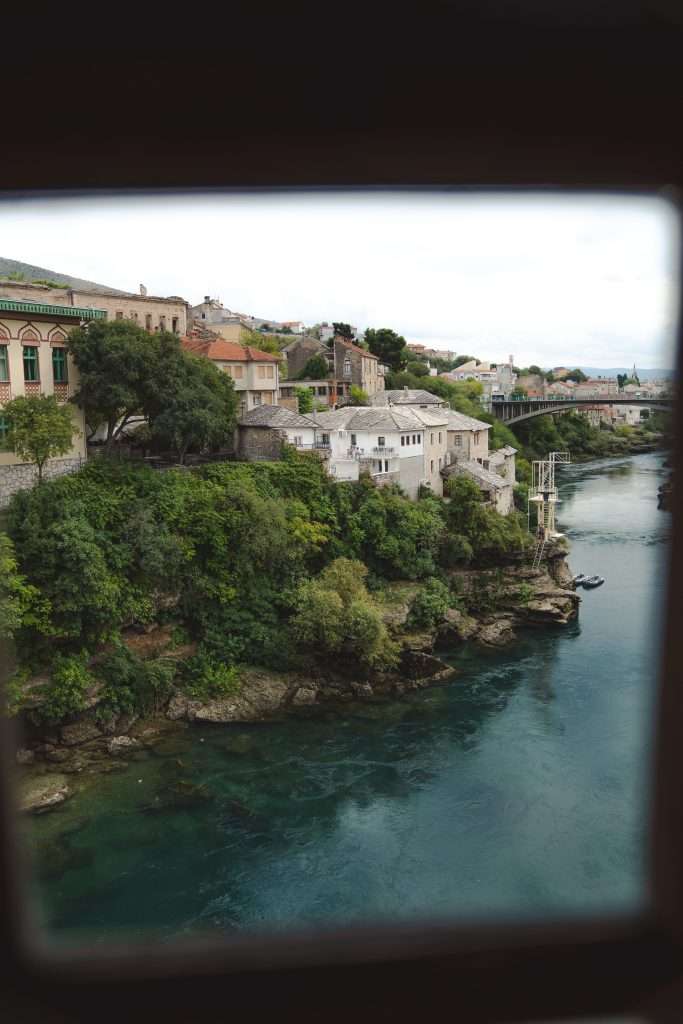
{"x":174,"y":324}
{"x":59,"y":370}
{"x":432,"y":439}
{"x":267,"y":397}
{"x":270,"y":372}
{"x":381,"y":441}
{"x":432,"y":465}
{"x":148,"y":322}
{"x":133,"y":315}
{"x":476,"y":437}
{"x":119,"y":314}
{"x":322,"y":390}
{"x":326,"y":439}
{"x":31,"y":363}
{"x":386,"y":465}
{"x":353,"y":440}
{"x":298,"y":440}
{"x":439,"y":462}
{"x":256,"y":398}
{"x":4,"y":432}
{"x":162,"y":323}
{"x":347,"y":367}
{"x":203,"y":316}
{"x":237,"y":372}
{"x":419,"y":438}
{"x":403,"y":440}
{"x":439,"y":437}
{"x":457,"y":440}
{"x":261,"y":372}
{"x":4,"y":363}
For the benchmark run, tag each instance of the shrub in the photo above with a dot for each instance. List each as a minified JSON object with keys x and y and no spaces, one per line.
{"x":205,"y":678}
{"x":133,"y":686}
{"x":65,"y":694}
{"x":430,"y":604}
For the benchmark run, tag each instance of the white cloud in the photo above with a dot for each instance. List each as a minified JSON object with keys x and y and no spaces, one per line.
{"x":551,"y":279}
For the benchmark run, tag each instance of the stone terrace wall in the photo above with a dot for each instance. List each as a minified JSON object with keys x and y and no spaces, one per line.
{"x":24,"y":476}
{"x":259,"y":444}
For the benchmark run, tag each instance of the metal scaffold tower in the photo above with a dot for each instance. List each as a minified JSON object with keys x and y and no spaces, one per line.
{"x":543,"y":496}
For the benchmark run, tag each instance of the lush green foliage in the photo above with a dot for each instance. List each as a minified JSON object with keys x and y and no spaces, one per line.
{"x":430,"y":604}
{"x":39,"y":428}
{"x":194,"y":405}
{"x":304,"y":397}
{"x":316,"y":368}
{"x":336,"y":615}
{"x":19,"y":601}
{"x":66,"y":692}
{"x":478,"y":527}
{"x":343,"y":330}
{"x":127,"y":372}
{"x":388,"y":346}
{"x":131,"y":685}
{"x":358,"y":396}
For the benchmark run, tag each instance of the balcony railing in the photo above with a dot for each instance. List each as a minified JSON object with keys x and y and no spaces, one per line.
{"x":383,"y":450}
{"x":62,"y":390}
{"x":5,"y":391}
{"x":32,"y":388}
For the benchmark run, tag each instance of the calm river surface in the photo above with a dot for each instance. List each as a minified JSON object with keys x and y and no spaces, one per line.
{"x":520,"y":788}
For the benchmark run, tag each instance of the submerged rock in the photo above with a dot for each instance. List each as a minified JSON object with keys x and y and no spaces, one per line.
{"x":40,"y":793}
{"x":122,"y":745}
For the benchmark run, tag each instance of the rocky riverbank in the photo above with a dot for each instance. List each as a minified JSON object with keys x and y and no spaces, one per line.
{"x":495,"y":603}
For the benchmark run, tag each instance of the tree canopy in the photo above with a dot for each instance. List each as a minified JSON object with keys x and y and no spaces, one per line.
{"x":388,"y":346}
{"x":316,"y":368}
{"x":39,"y":428}
{"x":343,"y":330}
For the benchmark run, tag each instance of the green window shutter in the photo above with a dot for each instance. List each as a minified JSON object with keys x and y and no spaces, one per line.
{"x":4,"y":363}
{"x":59,"y":365}
{"x":30,"y":363}
{"x":4,"y":431}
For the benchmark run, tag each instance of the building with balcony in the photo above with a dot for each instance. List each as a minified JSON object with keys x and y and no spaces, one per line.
{"x":34,"y":361}
{"x":255,"y":374}
{"x":325,"y":392}
{"x":391,"y":446}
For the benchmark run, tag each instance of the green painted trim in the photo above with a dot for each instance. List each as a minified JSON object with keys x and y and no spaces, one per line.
{"x":37,"y":308}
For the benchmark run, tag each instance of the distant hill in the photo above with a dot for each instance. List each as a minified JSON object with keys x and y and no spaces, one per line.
{"x":612,"y":371}
{"x":30,"y":273}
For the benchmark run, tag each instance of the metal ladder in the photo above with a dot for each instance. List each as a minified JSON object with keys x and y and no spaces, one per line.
{"x":540,"y":547}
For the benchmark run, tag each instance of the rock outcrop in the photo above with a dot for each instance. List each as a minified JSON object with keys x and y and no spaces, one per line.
{"x":41,"y":793}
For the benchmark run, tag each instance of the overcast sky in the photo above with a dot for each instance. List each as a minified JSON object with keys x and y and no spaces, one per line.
{"x":551,"y":280}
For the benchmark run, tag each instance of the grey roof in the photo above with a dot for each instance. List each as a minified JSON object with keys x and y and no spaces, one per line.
{"x":459,"y":421}
{"x":507,"y":449}
{"x":354,"y":417}
{"x":274,"y":416}
{"x":31,"y":273}
{"x":406,"y":396}
{"x":468,"y":467}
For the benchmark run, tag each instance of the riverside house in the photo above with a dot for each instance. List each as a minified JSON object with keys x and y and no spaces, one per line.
{"x":34,"y":361}
{"x":262,"y":432}
{"x":392,"y":446}
{"x":255,"y":374}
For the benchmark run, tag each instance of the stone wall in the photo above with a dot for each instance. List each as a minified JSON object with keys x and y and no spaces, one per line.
{"x":259,"y":444}
{"x":23,"y":476}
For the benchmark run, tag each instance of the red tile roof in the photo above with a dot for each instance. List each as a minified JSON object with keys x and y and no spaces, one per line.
{"x":228,"y":351}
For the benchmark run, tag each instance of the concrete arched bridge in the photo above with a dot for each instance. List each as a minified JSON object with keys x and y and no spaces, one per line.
{"x":514,"y":410}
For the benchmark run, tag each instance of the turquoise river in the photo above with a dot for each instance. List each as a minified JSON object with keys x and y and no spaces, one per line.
{"x":519,"y":788}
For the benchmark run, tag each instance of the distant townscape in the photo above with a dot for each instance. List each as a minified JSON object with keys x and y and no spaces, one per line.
{"x":367,"y":402}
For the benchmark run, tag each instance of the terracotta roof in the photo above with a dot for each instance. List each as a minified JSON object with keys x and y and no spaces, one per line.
{"x":228,"y":351}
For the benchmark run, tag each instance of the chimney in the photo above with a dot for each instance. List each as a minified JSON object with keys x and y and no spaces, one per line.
{"x":207,"y":298}
{"x":143,"y":290}
{"x":512,"y":360}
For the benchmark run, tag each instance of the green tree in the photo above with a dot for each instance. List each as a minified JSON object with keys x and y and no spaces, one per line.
{"x":430,"y":604}
{"x":17,"y":596}
{"x":316,"y":368}
{"x":195,"y":406}
{"x":304,"y":397}
{"x":576,"y":375}
{"x":358,"y":396}
{"x":343,"y":330}
{"x":417,"y":368}
{"x":39,"y":429}
{"x":388,"y":346}
{"x":336,"y":615}
{"x":120,"y":367}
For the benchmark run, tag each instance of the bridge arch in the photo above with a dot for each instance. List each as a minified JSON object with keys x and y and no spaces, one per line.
{"x":510,"y":412}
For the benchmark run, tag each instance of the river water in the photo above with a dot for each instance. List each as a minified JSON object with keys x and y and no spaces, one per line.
{"x":521,"y":788}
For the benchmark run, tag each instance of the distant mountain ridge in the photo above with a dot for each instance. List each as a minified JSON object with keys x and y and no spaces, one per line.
{"x":612,"y":371}
{"x":31,"y":273}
